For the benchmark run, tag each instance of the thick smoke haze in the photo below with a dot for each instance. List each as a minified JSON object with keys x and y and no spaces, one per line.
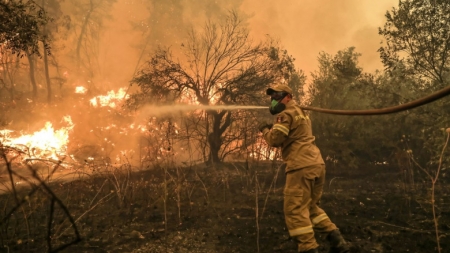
{"x":304,"y":27}
{"x":307,"y":27}
{"x":137,"y":28}
{"x":130,"y":30}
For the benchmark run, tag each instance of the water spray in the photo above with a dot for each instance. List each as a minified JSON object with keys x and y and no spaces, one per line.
{"x":153,"y":110}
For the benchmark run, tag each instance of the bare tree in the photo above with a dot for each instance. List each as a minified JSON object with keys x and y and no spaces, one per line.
{"x":222,"y":66}
{"x":9,"y":64}
{"x":87,"y":21}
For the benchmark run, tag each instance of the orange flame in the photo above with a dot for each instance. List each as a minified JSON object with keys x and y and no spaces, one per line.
{"x":111,"y":99}
{"x":45,"y":143}
{"x":80,"y":90}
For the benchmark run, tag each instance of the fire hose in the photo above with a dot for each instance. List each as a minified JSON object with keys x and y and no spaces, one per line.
{"x":403,"y":107}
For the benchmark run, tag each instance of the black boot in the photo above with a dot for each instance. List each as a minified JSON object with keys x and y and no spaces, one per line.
{"x":316,"y":250}
{"x":337,"y":242}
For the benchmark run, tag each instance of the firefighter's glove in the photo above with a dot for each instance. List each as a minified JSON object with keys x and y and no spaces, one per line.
{"x":264,"y":125}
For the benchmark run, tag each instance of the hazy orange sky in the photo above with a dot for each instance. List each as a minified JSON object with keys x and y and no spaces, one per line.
{"x":307,"y":27}
{"x":303,"y":27}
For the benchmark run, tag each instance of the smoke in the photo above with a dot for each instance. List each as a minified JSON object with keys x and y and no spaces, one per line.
{"x":136,"y":28}
{"x":140,"y":27}
{"x":131,"y":30}
{"x":303,"y":27}
{"x":307,"y":27}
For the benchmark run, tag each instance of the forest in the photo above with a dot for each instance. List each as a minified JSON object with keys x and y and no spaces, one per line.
{"x":163,"y":153}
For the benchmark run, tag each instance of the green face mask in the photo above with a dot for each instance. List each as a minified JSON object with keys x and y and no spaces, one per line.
{"x":276,"y":106}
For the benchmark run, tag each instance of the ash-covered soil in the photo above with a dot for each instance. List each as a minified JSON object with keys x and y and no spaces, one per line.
{"x":232,"y":207}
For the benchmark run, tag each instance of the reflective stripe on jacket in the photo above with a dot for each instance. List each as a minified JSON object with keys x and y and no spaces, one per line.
{"x":293,"y":133}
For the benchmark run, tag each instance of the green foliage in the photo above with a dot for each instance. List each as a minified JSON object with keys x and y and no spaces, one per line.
{"x":354,"y":140}
{"x":417,"y":35}
{"x":20,"y":26}
{"x":297,"y":81}
{"x":335,"y":86}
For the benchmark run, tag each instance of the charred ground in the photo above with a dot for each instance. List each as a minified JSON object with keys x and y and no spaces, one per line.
{"x":215,"y":209}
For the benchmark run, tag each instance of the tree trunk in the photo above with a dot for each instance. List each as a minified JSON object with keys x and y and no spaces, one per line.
{"x":46,"y":52}
{"x":8,"y":72}
{"x":32,"y":78}
{"x":47,"y":76}
{"x":87,"y":19}
{"x":215,"y":140}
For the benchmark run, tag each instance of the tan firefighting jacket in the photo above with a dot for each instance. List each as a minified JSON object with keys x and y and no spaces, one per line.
{"x":293,"y":133}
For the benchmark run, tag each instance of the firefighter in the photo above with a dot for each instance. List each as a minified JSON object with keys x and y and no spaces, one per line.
{"x":305,"y":172}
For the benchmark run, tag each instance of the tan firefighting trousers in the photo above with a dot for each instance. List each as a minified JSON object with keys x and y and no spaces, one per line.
{"x":302,"y":194}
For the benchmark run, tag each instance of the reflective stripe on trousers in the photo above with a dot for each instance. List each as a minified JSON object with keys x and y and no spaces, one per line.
{"x":302,"y":193}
